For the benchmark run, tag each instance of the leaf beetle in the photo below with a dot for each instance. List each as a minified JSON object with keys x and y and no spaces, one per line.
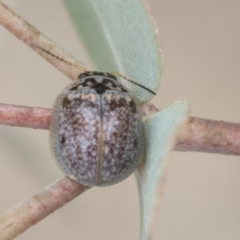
{"x":96,"y":130}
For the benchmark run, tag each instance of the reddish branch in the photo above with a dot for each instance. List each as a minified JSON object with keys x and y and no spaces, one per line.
{"x":32,"y":117}
{"x":204,"y":135}
{"x":40,"y":205}
{"x":201,"y":135}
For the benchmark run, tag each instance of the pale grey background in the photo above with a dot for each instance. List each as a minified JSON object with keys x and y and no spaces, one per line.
{"x":200,"y":42}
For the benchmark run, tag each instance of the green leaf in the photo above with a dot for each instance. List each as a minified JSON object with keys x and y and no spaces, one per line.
{"x":119,"y":36}
{"x":160,"y":133}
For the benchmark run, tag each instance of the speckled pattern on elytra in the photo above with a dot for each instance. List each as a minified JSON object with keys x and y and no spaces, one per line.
{"x":96,"y":130}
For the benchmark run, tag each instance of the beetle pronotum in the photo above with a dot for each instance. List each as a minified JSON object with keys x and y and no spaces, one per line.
{"x":96,"y":132}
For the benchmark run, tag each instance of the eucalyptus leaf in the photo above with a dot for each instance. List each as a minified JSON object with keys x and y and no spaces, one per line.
{"x":119,"y":36}
{"x":160,"y":133}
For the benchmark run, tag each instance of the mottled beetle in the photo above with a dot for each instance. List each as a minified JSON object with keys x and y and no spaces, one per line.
{"x":96,"y":131}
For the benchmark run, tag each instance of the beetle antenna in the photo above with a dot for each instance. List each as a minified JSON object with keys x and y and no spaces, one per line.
{"x":117,"y":74}
{"x":57,"y":57}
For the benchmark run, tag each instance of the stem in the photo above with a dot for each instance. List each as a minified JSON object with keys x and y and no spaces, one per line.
{"x":203,"y":135}
{"x":199,"y":135}
{"x":31,"y":36}
{"x":26,"y":214}
{"x":22,"y":116}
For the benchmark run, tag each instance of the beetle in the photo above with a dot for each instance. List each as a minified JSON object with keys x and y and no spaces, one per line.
{"x":96,"y":130}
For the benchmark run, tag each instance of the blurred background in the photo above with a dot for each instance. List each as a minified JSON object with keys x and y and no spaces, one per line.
{"x":201,"y":49}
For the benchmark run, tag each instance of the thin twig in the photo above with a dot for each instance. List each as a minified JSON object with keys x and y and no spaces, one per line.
{"x":22,"y":116}
{"x":26,"y":214}
{"x":33,"y":37}
{"x":199,"y":135}
{"x":148,"y":109}
{"x":203,"y":135}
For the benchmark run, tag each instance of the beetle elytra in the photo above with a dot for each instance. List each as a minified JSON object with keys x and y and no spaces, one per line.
{"x":96,"y":131}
